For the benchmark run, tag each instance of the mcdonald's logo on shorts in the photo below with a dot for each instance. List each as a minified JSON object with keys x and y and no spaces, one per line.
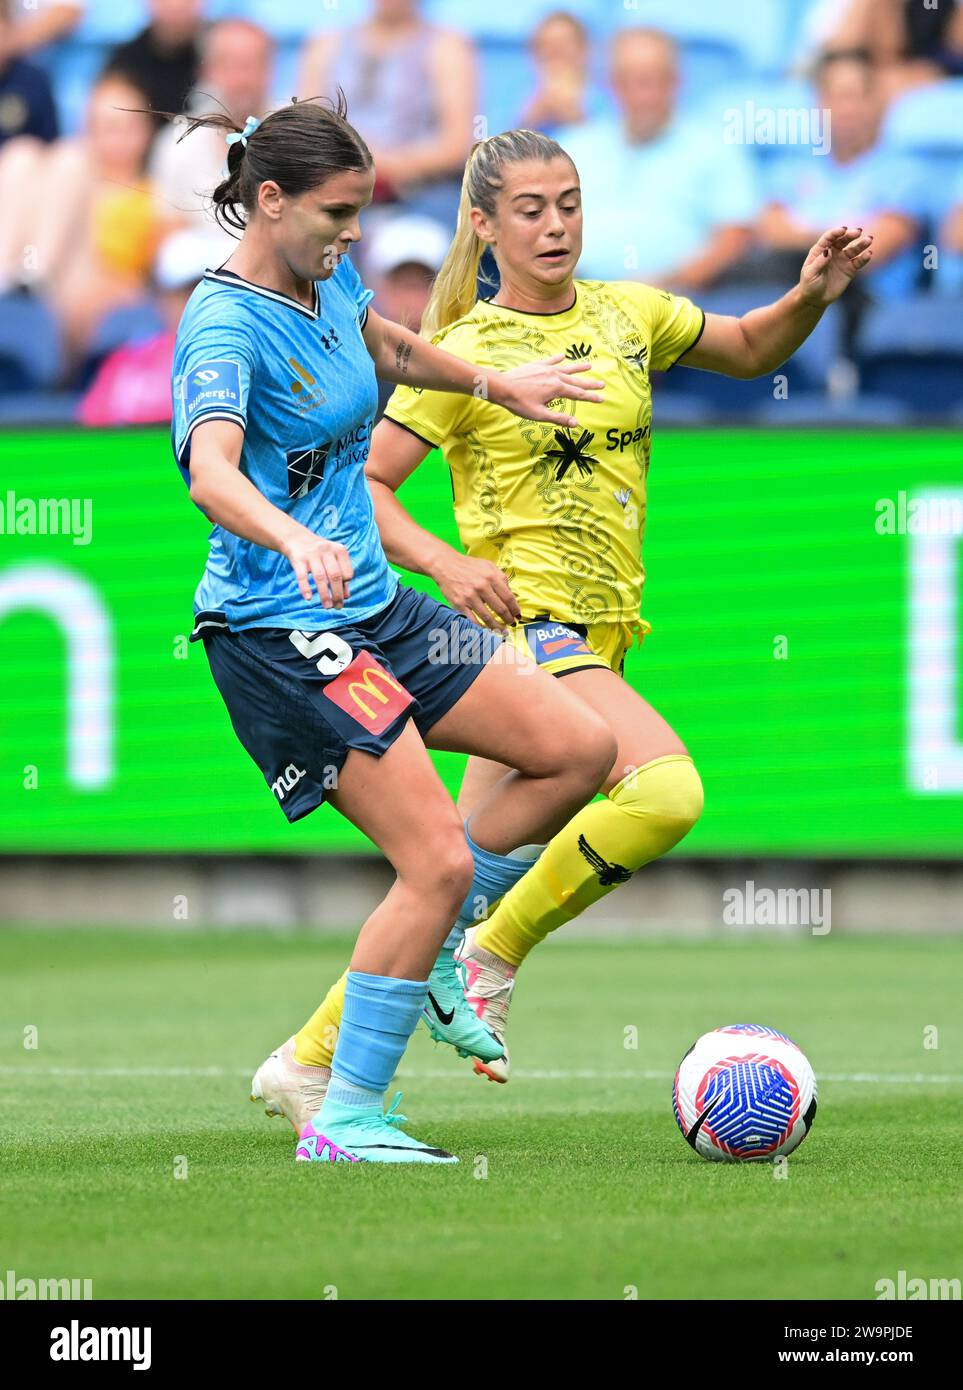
{"x":367,"y":692}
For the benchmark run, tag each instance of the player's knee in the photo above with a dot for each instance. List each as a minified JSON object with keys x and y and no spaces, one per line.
{"x":449,"y":867}
{"x":667,"y":793}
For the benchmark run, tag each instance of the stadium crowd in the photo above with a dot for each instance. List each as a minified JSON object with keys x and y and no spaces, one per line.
{"x":713,"y":145}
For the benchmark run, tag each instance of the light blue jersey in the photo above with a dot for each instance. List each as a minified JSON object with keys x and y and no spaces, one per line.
{"x":301,"y":384}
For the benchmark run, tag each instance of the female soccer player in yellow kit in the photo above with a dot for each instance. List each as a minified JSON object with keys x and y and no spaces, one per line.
{"x":551,"y":520}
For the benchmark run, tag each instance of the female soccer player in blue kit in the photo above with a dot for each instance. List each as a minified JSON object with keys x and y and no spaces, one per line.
{"x":324,"y":660}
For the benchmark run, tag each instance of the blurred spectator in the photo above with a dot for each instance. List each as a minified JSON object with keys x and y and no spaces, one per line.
{"x":858,"y":182}
{"x":79,"y":221}
{"x":411,"y":92}
{"x":163,"y":58}
{"x":26,"y":103}
{"x":404,"y":257}
{"x":133,"y":385}
{"x":42,"y":22}
{"x":665,"y":200}
{"x":560,"y":51}
{"x":237,"y":59}
{"x":912,"y":43}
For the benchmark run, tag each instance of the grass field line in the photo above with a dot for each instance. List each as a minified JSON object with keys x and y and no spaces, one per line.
{"x":423,"y":1074}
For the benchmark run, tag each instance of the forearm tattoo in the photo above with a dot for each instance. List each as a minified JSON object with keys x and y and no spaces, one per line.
{"x":402,"y":353}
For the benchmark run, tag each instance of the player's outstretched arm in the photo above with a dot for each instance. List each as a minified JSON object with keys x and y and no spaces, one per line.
{"x":763,"y":339}
{"x":231,"y":500}
{"x":402,"y":356}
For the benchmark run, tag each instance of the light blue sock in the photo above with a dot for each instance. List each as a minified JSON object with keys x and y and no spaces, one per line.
{"x":380,"y":1014}
{"x":494,"y":875}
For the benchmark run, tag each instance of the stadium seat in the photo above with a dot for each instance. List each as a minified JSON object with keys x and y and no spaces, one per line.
{"x":948,"y":279}
{"x":927,"y":120}
{"x":30,"y":345}
{"x":507,"y":20}
{"x":913,"y":352}
{"x":292,"y":20}
{"x":110,"y":21}
{"x":813,"y":408}
{"x":807,"y":370}
{"x":129,"y":323}
{"x":669,"y":408}
{"x":39,"y":408}
{"x":756,"y":28}
{"x":506,"y":79}
{"x":72,"y":67}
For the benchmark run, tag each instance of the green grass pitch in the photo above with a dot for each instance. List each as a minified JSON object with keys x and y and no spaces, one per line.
{"x":574,"y":1181}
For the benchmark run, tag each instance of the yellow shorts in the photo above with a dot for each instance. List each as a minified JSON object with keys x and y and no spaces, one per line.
{"x":562,"y":647}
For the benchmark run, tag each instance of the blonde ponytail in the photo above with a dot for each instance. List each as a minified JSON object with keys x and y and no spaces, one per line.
{"x":454,"y":291}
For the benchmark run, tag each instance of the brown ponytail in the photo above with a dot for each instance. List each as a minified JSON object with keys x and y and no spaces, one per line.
{"x":297,"y":146}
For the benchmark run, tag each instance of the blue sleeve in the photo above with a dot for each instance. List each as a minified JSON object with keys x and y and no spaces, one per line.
{"x":213,"y":368}
{"x":352,"y":284}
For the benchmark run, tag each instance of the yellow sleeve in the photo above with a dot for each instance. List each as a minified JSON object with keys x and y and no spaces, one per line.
{"x":675,"y":323}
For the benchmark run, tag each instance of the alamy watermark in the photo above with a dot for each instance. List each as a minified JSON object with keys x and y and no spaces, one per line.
{"x":750,"y":124}
{"x":915,"y":1289}
{"x":778,"y":907}
{"x":14,"y":1287}
{"x":47,"y":516}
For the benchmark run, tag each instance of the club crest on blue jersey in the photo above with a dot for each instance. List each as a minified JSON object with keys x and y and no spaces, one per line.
{"x":549,"y":641}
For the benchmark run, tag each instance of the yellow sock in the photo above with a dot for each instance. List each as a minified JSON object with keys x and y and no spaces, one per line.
{"x":600,"y":847}
{"x":314,"y":1045}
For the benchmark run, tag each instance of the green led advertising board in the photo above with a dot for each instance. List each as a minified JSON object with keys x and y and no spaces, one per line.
{"x":803,"y":590}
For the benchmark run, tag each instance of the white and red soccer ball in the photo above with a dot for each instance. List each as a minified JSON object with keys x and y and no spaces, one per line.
{"x":744,"y":1092}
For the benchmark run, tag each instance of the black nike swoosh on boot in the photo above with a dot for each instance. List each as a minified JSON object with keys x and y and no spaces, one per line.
{"x":693,"y":1134}
{"x":445,"y":1018}
{"x":435,"y":1153}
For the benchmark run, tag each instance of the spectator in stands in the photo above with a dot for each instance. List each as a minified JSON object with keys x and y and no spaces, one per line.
{"x":911,"y":43}
{"x":560,"y":51}
{"x":237,"y":59}
{"x":42,"y":22}
{"x":26,"y":104}
{"x":666,"y":201}
{"x":411,"y":92}
{"x":163,"y":58}
{"x":79,"y":223}
{"x":133,"y":385}
{"x":403,"y":259}
{"x":859,"y":182}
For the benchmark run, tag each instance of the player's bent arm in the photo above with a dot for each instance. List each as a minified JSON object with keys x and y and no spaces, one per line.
{"x":231,"y":500}
{"x":395,"y":454}
{"x":402,"y":356}
{"x":474,"y":587}
{"x":755,"y":344}
{"x":763,"y":339}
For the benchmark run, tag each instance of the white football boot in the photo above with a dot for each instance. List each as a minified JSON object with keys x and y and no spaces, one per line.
{"x":489,"y":982}
{"x":290,"y":1088}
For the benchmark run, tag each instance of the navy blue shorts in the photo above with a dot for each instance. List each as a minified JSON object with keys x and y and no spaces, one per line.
{"x":299,"y":700}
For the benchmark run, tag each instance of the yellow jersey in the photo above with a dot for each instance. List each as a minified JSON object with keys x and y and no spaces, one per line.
{"x":560,"y":510}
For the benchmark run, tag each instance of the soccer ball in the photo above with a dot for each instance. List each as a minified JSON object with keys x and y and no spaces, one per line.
{"x":744,"y":1092}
